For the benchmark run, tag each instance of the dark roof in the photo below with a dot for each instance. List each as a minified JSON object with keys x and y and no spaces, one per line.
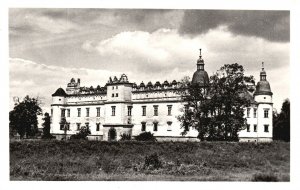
{"x":263,"y":88}
{"x":149,"y":84}
{"x":59,"y":92}
{"x":200,"y":77}
{"x":142,"y":84}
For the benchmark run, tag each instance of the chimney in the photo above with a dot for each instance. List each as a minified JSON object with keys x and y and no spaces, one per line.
{"x":78,"y":80}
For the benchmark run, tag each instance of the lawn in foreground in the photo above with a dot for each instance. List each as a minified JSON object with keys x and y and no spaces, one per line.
{"x":188,"y":161}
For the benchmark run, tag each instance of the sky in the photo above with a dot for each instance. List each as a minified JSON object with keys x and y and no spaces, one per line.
{"x":48,"y":47}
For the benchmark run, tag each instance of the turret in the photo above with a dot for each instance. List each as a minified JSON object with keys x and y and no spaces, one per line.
{"x":200,"y":76}
{"x":59,"y":96}
{"x":263,"y":91}
{"x":263,"y":98}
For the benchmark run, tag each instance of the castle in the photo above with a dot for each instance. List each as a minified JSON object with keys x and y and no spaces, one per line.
{"x":122,"y":107}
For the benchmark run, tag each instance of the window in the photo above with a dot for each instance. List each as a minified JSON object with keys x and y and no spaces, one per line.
{"x":68,"y":112}
{"x":79,"y":112}
{"x":169,"y":109}
{"x":51,"y":112}
{"x":248,"y":112}
{"x":155,"y":110}
{"x":254,"y":112}
{"x":143,"y":126}
{"x":266,"y":113}
{"x":61,"y":126}
{"x":98,"y":112}
{"x":116,"y":87}
{"x":78,"y":126}
{"x":144,"y":110}
{"x":87,"y":112}
{"x":63,"y":112}
{"x":97,"y":126}
{"x":169,"y":126}
{"x":129,"y":110}
{"x":113,"y":110}
{"x":113,"y":95}
{"x":113,"y":87}
{"x":155,"y":124}
{"x":248,"y":128}
{"x":266,"y":128}
{"x":117,"y":94}
{"x":87,"y":125}
{"x":68,"y":126}
{"x":255,"y":128}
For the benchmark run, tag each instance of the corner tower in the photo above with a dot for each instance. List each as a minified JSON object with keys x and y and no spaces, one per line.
{"x":200,"y":76}
{"x":263,"y":97}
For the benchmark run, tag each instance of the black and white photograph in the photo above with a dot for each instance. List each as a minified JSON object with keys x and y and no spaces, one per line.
{"x":149,"y":94}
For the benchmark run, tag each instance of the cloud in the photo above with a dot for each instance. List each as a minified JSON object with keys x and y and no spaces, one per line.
{"x":32,"y":22}
{"x":34,"y":79}
{"x":166,"y":49}
{"x":269,"y":25}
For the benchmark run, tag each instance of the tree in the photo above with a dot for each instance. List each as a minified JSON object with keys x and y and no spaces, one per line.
{"x":194,"y":97}
{"x":217,"y":111}
{"x":23,"y":118}
{"x":46,"y":125}
{"x":281,"y":123}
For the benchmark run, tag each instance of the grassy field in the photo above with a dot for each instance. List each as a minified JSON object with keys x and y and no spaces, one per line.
{"x":191,"y":161}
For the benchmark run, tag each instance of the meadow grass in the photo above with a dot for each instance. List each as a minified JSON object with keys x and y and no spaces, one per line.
{"x":131,"y":160}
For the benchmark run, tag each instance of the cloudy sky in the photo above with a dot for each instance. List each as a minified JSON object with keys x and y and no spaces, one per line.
{"x":47,"y":47}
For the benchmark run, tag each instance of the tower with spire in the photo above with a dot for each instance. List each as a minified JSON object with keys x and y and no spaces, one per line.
{"x":263,"y":98}
{"x":200,"y":76}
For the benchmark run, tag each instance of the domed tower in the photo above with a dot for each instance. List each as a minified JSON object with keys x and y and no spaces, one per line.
{"x":200,"y":76}
{"x":263,"y":97}
{"x":57,"y":107}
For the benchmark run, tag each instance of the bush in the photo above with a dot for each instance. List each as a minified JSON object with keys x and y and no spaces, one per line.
{"x":264,"y":177}
{"x":146,"y":136}
{"x":82,"y":134}
{"x":125,"y":137}
{"x":152,"y":162}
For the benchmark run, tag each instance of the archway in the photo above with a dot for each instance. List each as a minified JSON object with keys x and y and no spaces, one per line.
{"x":112,"y":134}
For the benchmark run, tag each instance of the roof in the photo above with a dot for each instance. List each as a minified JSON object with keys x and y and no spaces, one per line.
{"x":59,"y":92}
{"x":200,"y":77}
{"x":263,"y":88}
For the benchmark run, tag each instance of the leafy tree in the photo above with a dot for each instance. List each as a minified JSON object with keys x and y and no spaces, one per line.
{"x":46,"y":125}
{"x":194,"y":97}
{"x":281,"y":122}
{"x":23,"y":118}
{"x":217,"y":111}
{"x":82,"y":134}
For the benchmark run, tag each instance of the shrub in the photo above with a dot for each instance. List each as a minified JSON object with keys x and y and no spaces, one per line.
{"x":264,"y":177}
{"x":152,"y":162}
{"x":146,"y":136}
{"x":125,"y":137}
{"x":82,"y":134}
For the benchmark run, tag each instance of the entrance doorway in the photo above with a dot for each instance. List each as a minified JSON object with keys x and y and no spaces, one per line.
{"x":112,"y":134}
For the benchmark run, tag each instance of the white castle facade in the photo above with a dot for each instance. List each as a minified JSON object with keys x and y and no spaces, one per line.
{"x":124,"y":107}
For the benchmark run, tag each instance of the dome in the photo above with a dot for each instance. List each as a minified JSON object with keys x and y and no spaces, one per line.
{"x":263,"y":88}
{"x":200,"y":77}
{"x":59,"y":92}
